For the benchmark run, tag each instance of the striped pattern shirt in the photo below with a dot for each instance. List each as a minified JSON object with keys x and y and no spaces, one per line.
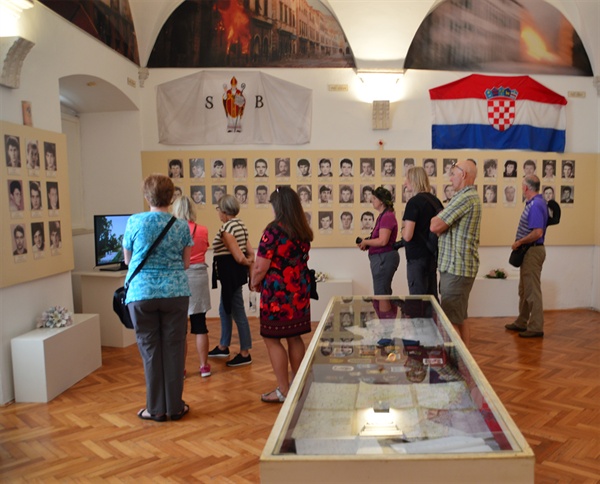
{"x":457,"y":246}
{"x":534,"y":216}
{"x":234,"y":227}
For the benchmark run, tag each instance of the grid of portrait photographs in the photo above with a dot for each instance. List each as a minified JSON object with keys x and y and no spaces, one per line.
{"x":552,"y":184}
{"x":34,"y":190}
{"x":35,"y":209}
{"x":336,"y":191}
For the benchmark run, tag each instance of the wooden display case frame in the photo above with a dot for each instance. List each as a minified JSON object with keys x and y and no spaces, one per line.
{"x":515,"y":464}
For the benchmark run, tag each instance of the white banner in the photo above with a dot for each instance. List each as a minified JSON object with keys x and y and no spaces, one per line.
{"x":214,"y":108}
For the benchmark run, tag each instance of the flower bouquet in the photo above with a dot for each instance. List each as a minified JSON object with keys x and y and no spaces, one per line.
{"x":55,"y":317}
{"x":320,"y":276}
{"x":496,"y":274}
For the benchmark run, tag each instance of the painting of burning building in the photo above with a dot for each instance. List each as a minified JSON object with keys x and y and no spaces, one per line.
{"x":251,"y":33}
{"x":510,"y":36}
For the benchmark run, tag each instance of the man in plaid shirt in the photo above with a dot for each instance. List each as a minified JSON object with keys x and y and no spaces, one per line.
{"x":458,"y":227}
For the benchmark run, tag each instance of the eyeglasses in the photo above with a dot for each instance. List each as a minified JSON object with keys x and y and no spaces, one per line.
{"x":455,"y":165}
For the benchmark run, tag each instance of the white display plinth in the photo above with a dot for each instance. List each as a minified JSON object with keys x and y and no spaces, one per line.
{"x":97,"y":289}
{"x":494,"y":297}
{"x":48,"y":361}
{"x":327,"y":290}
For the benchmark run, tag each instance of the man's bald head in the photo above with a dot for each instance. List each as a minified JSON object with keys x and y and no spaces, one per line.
{"x":467,"y":172}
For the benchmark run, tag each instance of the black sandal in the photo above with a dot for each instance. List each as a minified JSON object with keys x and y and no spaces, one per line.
{"x":183,"y":413}
{"x":149,"y":416}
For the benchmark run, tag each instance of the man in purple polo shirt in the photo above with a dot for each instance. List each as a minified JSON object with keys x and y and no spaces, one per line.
{"x":531,"y":231}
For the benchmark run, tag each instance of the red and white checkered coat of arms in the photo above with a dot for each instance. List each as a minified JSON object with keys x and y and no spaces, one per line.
{"x":501,"y":112}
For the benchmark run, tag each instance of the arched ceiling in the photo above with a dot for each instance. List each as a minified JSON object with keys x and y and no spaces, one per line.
{"x":89,"y":94}
{"x":379,"y":31}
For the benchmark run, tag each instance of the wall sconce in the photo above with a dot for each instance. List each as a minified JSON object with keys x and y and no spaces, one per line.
{"x":17,"y":5}
{"x":13,"y":51}
{"x":376,"y":84}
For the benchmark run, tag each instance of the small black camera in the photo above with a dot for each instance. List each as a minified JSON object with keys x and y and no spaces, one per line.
{"x":398,"y":244}
{"x":358,"y":240}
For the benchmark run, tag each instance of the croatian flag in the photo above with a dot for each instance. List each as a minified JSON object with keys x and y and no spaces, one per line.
{"x":498,"y":112}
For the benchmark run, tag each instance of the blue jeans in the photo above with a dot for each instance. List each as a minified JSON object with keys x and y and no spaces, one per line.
{"x":238,"y":314}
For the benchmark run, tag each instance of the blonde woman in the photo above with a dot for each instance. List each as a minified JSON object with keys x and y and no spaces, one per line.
{"x":197,"y":274}
{"x":421,"y":262}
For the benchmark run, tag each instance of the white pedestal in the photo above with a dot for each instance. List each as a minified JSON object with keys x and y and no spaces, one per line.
{"x":326,"y":290}
{"x":48,"y":361}
{"x":97,"y":289}
{"x":494,"y":297}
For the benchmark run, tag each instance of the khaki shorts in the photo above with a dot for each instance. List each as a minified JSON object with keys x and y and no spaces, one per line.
{"x":454,"y":292}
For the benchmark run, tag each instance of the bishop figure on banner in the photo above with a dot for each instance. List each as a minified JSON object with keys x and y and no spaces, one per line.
{"x":233,"y":103}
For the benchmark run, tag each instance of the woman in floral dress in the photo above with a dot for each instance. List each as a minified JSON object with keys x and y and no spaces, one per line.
{"x":281,"y":276}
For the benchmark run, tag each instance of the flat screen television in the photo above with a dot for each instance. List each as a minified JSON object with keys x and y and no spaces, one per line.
{"x":108,"y":241}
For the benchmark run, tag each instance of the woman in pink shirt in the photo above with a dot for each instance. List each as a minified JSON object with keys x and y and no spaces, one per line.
{"x":383,"y":258}
{"x":197,"y":274}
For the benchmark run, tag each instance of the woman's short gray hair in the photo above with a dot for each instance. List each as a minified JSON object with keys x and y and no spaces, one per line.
{"x":229,"y":205}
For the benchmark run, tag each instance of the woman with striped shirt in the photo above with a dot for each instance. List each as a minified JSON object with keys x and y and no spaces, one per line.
{"x":233,"y":257}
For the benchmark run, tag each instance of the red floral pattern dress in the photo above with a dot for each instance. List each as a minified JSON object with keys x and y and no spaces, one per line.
{"x":285,"y":291}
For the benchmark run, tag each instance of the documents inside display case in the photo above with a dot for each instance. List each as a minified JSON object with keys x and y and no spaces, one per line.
{"x":389,"y":377}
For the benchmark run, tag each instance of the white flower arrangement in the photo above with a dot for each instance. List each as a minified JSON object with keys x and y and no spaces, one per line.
{"x":320,"y":276}
{"x":55,"y":317}
{"x":496,"y":274}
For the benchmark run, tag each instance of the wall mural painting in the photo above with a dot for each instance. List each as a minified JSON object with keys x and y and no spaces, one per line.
{"x":522,"y":37}
{"x":251,"y":33}
{"x":108,"y":21}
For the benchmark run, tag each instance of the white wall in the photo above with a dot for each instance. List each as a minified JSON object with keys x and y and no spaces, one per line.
{"x":60,"y":50}
{"x":112,"y":171}
{"x":351,"y":119}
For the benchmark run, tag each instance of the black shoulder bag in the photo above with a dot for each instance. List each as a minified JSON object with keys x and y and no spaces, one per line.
{"x":119,"y":306}
{"x":312,"y":277}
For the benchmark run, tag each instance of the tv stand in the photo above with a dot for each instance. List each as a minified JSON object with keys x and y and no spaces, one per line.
{"x":97,"y":289}
{"x":121,"y":267}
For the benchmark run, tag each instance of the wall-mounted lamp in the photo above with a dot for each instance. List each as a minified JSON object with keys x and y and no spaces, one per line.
{"x":13,"y":51}
{"x":378,"y":84}
{"x":17,"y":6}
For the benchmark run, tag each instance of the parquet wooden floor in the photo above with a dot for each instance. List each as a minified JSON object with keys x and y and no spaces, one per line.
{"x":91,"y":433}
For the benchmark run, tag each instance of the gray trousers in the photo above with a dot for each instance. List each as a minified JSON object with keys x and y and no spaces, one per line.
{"x":160,"y":330}
{"x":383,"y":268}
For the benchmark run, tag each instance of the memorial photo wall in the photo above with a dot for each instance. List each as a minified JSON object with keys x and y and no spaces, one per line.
{"x":335,"y":187}
{"x":36,"y":239}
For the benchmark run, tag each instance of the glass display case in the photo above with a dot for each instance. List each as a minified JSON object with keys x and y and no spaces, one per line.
{"x":387,"y":392}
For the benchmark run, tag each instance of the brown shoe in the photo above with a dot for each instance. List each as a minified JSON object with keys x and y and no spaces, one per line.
{"x":532,"y":334}
{"x":514,"y":327}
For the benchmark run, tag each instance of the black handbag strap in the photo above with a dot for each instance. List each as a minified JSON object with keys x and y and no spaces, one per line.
{"x":437,"y":207}
{"x":154,"y":245}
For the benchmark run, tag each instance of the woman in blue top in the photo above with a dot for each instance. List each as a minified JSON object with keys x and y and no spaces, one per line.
{"x":158,"y":299}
